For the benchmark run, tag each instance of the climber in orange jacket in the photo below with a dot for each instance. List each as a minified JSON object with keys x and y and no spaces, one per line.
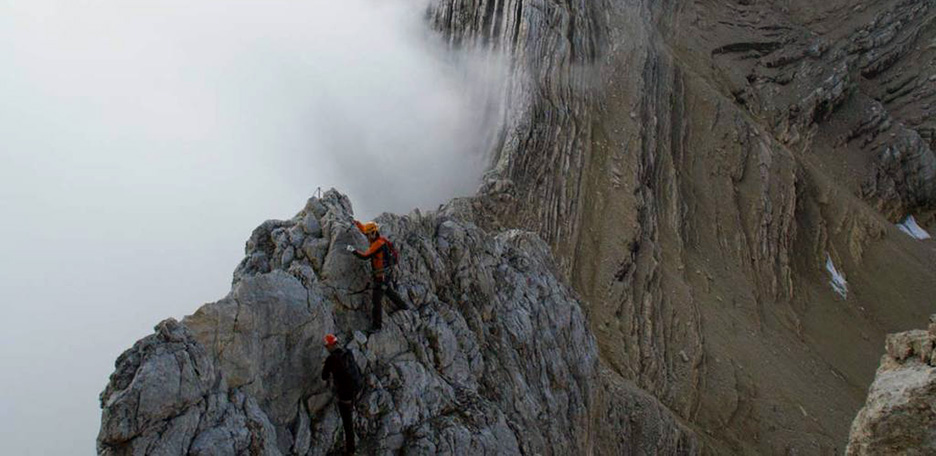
{"x":383,"y":257}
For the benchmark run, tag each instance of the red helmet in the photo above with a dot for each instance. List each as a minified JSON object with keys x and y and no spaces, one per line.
{"x":330,"y":340}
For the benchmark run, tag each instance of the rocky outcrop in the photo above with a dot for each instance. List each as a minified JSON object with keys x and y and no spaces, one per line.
{"x":494,"y":356}
{"x":900,"y":414}
{"x":167,"y":397}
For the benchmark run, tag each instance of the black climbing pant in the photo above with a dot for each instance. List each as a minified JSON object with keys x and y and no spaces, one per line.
{"x":380,"y":288}
{"x":345,"y":408}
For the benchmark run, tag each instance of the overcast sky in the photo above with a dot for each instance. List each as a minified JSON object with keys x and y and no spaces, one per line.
{"x":142,"y":141}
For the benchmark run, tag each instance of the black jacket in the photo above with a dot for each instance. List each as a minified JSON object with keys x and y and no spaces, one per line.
{"x":344,"y":386}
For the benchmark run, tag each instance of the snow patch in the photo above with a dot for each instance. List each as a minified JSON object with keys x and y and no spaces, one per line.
{"x":912,"y":229}
{"x":839,"y":285}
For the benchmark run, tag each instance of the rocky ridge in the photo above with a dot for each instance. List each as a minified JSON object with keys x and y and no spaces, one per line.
{"x":495,"y":356}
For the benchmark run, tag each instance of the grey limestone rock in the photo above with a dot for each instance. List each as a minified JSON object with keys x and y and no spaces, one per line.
{"x":494,"y":355}
{"x":167,"y":397}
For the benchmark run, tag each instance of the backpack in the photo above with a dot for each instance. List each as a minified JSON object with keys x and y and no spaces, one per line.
{"x":350,"y":368}
{"x":392,"y":255}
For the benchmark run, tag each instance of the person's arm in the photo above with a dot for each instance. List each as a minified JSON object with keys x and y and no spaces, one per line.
{"x":327,"y":368}
{"x":374,"y":248}
{"x":351,"y":249}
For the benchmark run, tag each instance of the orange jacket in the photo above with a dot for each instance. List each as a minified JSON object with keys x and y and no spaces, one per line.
{"x":377,"y":253}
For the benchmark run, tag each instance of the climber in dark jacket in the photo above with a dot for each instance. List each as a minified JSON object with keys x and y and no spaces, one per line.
{"x":380,"y":254}
{"x":340,"y":366}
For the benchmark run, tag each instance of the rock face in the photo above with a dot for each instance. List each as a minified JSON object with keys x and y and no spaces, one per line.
{"x":494,"y":356}
{"x":166,"y":397}
{"x":900,"y":414}
{"x":694,"y":165}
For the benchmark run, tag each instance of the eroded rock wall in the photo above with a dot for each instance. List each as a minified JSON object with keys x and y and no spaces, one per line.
{"x":550,"y":47}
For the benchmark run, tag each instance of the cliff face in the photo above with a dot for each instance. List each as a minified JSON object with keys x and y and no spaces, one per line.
{"x":695,"y":166}
{"x":494,"y":357}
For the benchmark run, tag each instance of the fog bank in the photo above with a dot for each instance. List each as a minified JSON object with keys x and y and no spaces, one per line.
{"x":142,"y":141}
